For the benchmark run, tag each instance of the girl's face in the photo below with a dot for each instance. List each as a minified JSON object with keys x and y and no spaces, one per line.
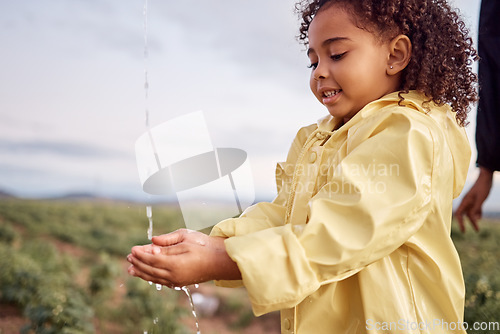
{"x":349,"y":64}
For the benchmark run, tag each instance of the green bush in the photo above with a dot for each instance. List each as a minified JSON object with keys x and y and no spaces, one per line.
{"x":102,"y":276}
{"x":7,"y":234}
{"x":68,"y":293}
{"x":19,"y":276}
{"x":60,"y":310}
{"x":147,"y":309}
{"x":50,"y":300}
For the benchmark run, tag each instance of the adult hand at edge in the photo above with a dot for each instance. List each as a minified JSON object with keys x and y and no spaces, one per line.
{"x":471,"y":205}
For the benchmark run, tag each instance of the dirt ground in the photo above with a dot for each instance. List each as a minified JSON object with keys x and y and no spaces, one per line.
{"x":11,"y":319}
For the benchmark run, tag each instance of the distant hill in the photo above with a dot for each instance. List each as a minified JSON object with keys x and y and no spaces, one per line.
{"x":492,"y":214}
{"x":77,"y":196}
{"x":4,"y":194}
{"x":87,"y":196}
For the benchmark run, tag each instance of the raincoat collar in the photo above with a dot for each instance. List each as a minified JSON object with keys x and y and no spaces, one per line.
{"x":442,"y":115}
{"x":413,"y":99}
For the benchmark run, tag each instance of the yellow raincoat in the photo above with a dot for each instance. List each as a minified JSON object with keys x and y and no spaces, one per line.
{"x":358,"y":237}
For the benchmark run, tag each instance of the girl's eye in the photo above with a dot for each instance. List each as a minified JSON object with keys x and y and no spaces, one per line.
{"x":313,"y":66}
{"x":338,"y":56}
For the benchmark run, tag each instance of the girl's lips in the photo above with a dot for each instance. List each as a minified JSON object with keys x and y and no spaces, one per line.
{"x":331,"y":96}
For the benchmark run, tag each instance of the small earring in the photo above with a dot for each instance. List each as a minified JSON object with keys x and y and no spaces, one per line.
{"x":392,"y":67}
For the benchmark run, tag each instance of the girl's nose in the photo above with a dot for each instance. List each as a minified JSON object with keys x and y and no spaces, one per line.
{"x":320,"y":72}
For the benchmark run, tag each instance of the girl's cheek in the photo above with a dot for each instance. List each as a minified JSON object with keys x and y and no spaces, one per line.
{"x":314,"y":90}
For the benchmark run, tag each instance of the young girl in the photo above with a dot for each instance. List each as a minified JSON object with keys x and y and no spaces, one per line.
{"x":358,"y":237}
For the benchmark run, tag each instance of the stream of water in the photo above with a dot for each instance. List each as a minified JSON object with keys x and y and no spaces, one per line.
{"x":193,"y":311}
{"x":149,"y":209}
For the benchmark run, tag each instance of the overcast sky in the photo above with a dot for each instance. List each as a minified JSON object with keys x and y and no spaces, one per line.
{"x":72,"y":86}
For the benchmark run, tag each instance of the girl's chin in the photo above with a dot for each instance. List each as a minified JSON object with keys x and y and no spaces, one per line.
{"x":343,"y":114}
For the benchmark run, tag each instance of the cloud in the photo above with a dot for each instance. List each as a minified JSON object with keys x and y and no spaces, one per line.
{"x":257,"y":35}
{"x":73,"y":82}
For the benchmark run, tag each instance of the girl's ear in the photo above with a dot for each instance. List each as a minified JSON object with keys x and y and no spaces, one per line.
{"x":399,"y":54}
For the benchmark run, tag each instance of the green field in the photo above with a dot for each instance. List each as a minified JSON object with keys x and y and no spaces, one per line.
{"x":480,"y":257}
{"x":62,"y":266}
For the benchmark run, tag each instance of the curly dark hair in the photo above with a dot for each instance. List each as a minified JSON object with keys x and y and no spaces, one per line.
{"x":442,"y":51}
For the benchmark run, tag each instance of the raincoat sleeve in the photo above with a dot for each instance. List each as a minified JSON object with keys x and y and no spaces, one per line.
{"x":361,"y":215}
{"x":256,"y":218}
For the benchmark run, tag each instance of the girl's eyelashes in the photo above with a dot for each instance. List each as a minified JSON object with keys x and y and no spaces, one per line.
{"x":313,"y":66}
{"x":334,"y":57}
{"x":338,"y":56}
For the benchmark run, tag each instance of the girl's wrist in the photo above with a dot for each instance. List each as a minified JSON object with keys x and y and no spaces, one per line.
{"x":223,"y":267}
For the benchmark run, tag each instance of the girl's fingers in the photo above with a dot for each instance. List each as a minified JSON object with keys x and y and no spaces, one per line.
{"x":141,"y":267}
{"x":178,"y":249}
{"x":132,"y":270}
{"x":181,"y":236}
{"x":143,"y":259}
{"x":170,"y":238}
{"x":148,"y":255}
{"x":143,"y":249}
{"x":160,"y":256}
{"x":166,"y":265}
